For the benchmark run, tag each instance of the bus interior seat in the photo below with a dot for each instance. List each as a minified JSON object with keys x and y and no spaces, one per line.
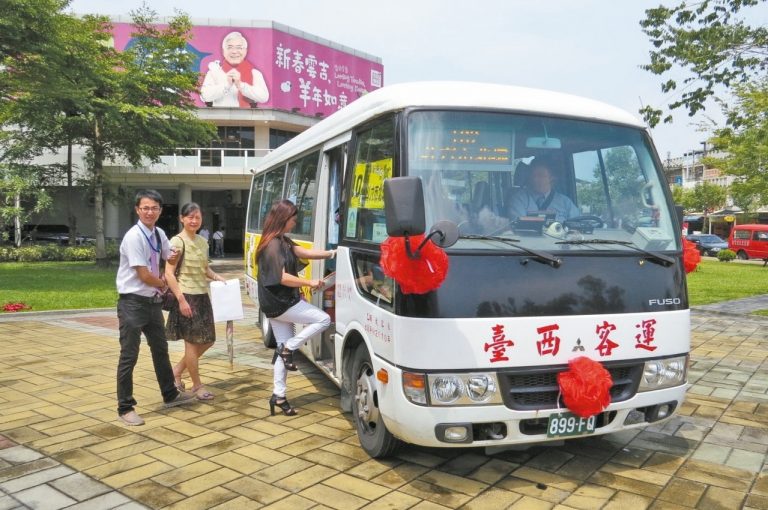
{"x":481,"y":196}
{"x":522,"y":174}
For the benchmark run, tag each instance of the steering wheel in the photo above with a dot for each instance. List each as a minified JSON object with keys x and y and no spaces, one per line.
{"x":590,"y":220}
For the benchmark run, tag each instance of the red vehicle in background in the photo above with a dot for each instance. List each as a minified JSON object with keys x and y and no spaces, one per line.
{"x":749,"y":241}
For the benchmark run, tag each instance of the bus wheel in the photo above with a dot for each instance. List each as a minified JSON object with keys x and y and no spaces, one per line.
{"x":742,"y":255}
{"x":374,"y":437}
{"x":266,"y":332}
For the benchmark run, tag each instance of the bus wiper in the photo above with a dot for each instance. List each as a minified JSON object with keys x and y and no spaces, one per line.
{"x":538,"y":256}
{"x":653,"y":257}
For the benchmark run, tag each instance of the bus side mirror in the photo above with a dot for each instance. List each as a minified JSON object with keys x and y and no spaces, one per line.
{"x":404,"y":206}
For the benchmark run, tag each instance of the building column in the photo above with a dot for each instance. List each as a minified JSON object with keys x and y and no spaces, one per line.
{"x":185,"y":194}
{"x":111,"y":218}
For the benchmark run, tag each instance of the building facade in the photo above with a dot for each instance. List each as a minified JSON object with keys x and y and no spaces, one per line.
{"x":261,"y":83}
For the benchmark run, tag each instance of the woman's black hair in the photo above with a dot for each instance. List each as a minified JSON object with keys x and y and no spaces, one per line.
{"x":150,"y":194}
{"x":188,"y":209}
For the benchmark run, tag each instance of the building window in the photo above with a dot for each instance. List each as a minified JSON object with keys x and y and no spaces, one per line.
{"x":278,"y":137}
{"x":234,"y":138}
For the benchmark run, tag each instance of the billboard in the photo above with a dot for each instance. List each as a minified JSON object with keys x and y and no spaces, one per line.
{"x":248,"y":67}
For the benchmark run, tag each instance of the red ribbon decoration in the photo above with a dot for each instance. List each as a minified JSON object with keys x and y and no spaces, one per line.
{"x":691,"y":255}
{"x":585,"y":386}
{"x":423,"y":274}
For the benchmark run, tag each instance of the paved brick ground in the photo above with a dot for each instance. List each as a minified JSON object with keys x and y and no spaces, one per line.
{"x":62,"y":447}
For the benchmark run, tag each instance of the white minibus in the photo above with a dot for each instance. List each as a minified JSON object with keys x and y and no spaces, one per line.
{"x":594,"y":269}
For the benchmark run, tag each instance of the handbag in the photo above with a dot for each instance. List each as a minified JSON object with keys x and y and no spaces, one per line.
{"x":169,"y":298}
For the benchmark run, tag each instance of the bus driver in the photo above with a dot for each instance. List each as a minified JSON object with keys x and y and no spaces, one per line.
{"x":538,"y":197}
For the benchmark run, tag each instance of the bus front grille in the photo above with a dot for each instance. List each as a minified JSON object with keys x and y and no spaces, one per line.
{"x":537,"y":389}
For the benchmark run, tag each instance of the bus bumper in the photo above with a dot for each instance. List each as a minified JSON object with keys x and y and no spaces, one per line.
{"x":497,"y":425}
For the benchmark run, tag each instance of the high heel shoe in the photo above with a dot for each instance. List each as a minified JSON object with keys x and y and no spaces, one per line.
{"x":287,"y":356}
{"x":284,"y":405}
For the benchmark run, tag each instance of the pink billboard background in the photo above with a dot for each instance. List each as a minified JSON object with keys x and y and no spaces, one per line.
{"x":300,"y":75}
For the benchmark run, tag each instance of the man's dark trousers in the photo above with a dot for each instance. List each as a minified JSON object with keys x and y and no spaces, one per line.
{"x":137,"y":314}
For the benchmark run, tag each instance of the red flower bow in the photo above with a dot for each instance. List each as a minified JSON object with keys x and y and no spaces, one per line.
{"x":585,"y":386}
{"x":423,"y":274}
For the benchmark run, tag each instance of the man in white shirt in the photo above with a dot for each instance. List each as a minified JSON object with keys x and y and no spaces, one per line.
{"x":218,"y":243}
{"x":139,"y":307}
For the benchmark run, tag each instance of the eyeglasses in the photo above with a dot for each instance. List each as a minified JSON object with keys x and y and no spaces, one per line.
{"x":237,"y":47}
{"x":149,"y":209}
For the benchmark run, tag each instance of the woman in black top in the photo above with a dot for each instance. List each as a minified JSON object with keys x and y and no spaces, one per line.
{"x":278,"y":261}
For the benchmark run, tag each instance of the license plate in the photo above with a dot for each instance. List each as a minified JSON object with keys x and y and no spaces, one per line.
{"x":568,"y":424}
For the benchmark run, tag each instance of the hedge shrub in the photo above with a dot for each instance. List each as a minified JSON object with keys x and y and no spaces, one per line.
{"x":726,"y":255}
{"x":52,"y":252}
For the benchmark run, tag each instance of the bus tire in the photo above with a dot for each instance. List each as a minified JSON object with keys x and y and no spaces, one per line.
{"x":742,"y":255}
{"x":374,"y":437}
{"x":266,"y":332}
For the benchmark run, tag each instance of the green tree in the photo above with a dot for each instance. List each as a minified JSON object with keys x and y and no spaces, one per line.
{"x":745,"y":196}
{"x":711,"y":43}
{"x":22,"y":194}
{"x":745,"y":144}
{"x":27,"y":27}
{"x":27,"y":31}
{"x":706,"y":197}
{"x":129,"y":105}
{"x":678,"y":195}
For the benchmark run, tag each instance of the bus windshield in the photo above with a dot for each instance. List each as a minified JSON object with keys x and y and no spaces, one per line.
{"x":541,"y":182}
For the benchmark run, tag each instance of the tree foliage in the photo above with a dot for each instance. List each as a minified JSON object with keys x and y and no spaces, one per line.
{"x":706,"y":197}
{"x":711,"y":42}
{"x":745,"y":144}
{"x":27,"y":27}
{"x":130,"y":105}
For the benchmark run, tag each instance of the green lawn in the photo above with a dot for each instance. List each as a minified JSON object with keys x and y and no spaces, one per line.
{"x":57,"y":285}
{"x":715,"y":281}
{"x":68,"y":285}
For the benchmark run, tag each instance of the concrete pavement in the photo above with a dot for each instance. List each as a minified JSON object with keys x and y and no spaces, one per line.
{"x":61,"y":445}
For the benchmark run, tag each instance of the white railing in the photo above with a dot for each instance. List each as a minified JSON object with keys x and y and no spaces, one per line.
{"x":200,"y":157}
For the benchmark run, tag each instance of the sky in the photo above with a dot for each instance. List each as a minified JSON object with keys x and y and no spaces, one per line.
{"x":590,"y":48}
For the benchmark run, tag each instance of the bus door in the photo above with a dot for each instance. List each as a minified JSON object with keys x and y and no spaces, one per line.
{"x":327,"y":237}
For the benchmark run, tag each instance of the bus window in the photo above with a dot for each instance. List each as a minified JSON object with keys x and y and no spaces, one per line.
{"x":590,"y":192}
{"x":255,"y":206}
{"x":373,"y":163}
{"x":335,"y":173}
{"x":273,"y":190}
{"x":301,"y":189}
{"x":371,"y":280}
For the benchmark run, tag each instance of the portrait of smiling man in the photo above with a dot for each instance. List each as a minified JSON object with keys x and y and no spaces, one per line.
{"x":234,"y":82}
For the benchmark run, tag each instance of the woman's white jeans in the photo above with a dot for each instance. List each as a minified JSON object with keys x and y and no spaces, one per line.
{"x":302,"y":312}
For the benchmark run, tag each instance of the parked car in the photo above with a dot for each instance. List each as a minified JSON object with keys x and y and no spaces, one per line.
{"x":708,"y":244}
{"x":749,"y":241}
{"x":52,"y":234}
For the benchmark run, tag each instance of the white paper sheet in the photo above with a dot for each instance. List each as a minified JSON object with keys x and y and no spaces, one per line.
{"x":226,"y":300}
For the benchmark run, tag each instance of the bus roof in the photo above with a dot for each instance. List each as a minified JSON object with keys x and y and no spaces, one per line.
{"x":448,"y":95}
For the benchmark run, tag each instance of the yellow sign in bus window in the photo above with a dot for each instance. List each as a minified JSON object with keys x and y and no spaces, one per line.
{"x":368,"y":184}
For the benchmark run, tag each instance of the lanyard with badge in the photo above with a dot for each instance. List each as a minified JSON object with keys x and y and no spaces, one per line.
{"x":155,"y":250}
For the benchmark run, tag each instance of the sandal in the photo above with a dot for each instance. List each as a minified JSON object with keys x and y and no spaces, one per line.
{"x":287,"y":356}
{"x":179,"y":385}
{"x":283,"y":404}
{"x":204,"y":394}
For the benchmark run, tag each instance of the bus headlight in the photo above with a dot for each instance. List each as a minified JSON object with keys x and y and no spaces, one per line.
{"x":664,"y":373}
{"x":463,"y":389}
{"x":446,"y":389}
{"x":480,"y":388}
